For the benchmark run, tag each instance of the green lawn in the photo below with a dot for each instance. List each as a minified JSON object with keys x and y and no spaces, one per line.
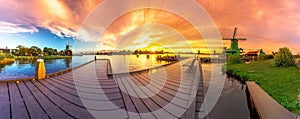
{"x":282,"y":83}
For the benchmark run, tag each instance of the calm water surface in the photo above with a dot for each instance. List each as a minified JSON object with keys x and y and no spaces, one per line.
{"x":232,"y":103}
{"x":120,"y":63}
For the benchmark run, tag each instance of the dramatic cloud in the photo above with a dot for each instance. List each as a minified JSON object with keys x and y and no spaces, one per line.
{"x":6,"y":27}
{"x":268,"y":24}
{"x":61,"y":17}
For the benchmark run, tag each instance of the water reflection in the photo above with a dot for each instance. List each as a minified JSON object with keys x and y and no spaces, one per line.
{"x":120,"y":63}
{"x":68,"y":62}
{"x":7,"y":64}
{"x":232,"y":103}
{"x":126,"y":63}
{"x":26,"y":68}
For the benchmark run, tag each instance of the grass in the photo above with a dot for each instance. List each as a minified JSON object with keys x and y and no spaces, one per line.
{"x":42,"y":57}
{"x":6,"y":61}
{"x":8,"y":58}
{"x":281,"y":83}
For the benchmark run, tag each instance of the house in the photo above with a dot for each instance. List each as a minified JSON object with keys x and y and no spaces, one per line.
{"x":7,"y":50}
{"x":255,"y":54}
{"x":3,"y":50}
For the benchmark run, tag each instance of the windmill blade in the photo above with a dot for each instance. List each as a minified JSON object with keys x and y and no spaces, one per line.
{"x":226,"y":38}
{"x":234,"y":32}
{"x":241,"y":38}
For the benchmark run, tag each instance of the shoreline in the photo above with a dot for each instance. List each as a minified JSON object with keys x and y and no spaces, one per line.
{"x":73,"y":68}
{"x":47,"y":75}
{"x":40,"y":57}
{"x":265,"y":77}
{"x":6,"y":61}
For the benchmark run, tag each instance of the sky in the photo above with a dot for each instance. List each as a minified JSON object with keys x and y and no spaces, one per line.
{"x":267,"y":25}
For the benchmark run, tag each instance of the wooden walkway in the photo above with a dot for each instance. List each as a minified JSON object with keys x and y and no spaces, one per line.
{"x":89,"y":92}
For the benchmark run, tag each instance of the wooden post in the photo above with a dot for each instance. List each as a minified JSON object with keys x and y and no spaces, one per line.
{"x":40,"y":70}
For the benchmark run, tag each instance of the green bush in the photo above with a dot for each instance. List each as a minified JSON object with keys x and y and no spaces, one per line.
{"x":10,"y":56}
{"x":266,"y":57}
{"x":2,"y":56}
{"x":6,"y":56}
{"x":234,"y":59}
{"x":284,"y":57}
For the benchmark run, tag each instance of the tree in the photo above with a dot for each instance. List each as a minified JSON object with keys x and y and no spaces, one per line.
{"x":21,"y":51}
{"x":50,"y":51}
{"x":284,"y":57}
{"x":34,"y":50}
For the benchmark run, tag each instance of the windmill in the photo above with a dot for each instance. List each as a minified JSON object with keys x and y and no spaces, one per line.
{"x":234,"y":47}
{"x":68,"y":50}
{"x":68,"y":46}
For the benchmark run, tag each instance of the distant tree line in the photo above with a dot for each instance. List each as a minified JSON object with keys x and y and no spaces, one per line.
{"x":148,"y":52}
{"x":36,"y":51}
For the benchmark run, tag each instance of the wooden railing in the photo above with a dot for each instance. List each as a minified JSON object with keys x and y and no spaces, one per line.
{"x":264,"y":106}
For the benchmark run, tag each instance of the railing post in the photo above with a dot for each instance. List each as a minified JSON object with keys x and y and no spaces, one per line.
{"x":40,"y":70}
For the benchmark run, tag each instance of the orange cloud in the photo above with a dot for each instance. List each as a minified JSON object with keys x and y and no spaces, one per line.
{"x":61,"y":17}
{"x":143,"y":27}
{"x":267,"y":24}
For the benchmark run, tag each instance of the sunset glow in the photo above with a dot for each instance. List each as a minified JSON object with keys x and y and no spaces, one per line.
{"x":267,"y":25}
{"x":153,"y":49}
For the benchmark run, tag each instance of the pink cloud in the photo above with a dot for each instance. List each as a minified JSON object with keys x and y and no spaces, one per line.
{"x":267,"y":24}
{"x":58,"y":16}
{"x":6,"y":27}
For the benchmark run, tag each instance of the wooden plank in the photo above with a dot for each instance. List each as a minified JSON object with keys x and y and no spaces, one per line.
{"x":86,"y":88}
{"x":72,"y":91}
{"x":129,"y":106}
{"x":168,"y":84}
{"x":152,"y":106}
{"x":101,"y":69}
{"x":72,"y":109}
{"x":61,"y":93}
{"x":4,"y":101}
{"x":165,"y":92}
{"x":156,"y":102}
{"x":138,"y":103}
{"x":51,"y":109}
{"x":34,"y":109}
{"x":265,"y":105}
{"x":18,"y":107}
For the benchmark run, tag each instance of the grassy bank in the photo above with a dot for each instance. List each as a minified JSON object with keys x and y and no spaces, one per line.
{"x":282,"y":83}
{"x":6,"y":58}
{"x":6,"y":61}
{"x":38,"y":57}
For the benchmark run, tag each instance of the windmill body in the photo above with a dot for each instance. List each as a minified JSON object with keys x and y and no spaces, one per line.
{"x":234,"y":47}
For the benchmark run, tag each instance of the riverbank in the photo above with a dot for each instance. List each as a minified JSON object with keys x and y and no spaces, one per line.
{"x":281,"y":83}
{"x":40,"y":57}
{"x":6,"y":61}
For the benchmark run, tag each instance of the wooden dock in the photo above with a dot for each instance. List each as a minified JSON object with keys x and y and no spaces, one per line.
{"x":89,"y":91}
